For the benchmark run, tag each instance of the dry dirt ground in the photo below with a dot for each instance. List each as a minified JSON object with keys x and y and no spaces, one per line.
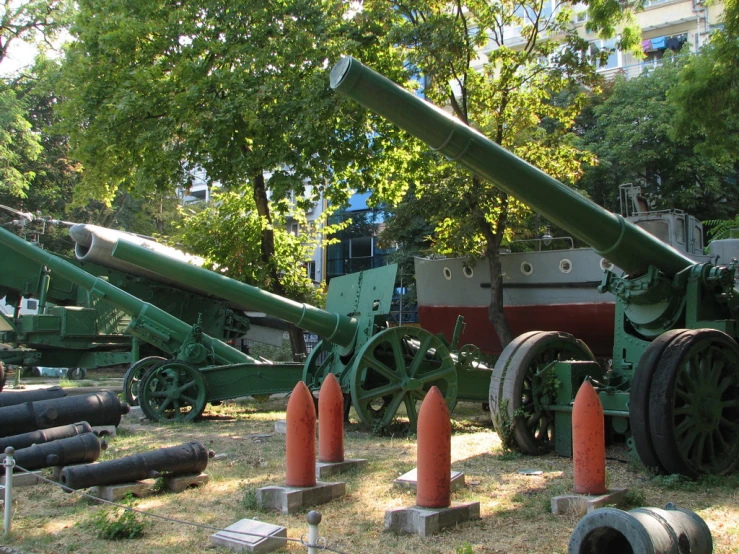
{"x":514,"y":506}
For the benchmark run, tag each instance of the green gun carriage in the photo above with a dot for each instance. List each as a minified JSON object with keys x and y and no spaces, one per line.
{"x":381,"y":368}
{"x":673,"y":388}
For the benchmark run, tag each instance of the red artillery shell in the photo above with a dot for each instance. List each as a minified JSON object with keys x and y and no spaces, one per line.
{"x":588,"y":442}
{"x":330,"y":421}
{"x":434,"y":455}
{"x":301,"y":438}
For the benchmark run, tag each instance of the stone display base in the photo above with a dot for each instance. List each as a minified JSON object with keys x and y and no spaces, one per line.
{"x":140,"y":489}
{"x":581,"y":504}
{"x":427,"y":521}
{"x":21,"y":479}
{"x":266,"y":538}
{"x":290,"y":500}
{"x":105,"y":430}
{"x":281,"y":427}
{"x":178,"y":483}
{"x":327,"y":469}
{"x":410,"y":480}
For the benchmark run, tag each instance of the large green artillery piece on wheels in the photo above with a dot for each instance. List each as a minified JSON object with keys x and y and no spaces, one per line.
{"x":673,"y":388}
{"x":380,"y":368}
{"x":70,"y":328}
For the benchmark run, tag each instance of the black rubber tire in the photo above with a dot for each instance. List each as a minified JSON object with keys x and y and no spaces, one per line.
{"x":521,"y":356}
{"x":664,"y":397}
{"x":76,"y":373}
{"x":639,"y":398}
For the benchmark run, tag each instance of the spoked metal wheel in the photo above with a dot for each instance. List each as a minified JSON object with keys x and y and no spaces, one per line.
{"x":397,"y":367}
{"x":318,"y":362}
{"x":521,"y":386}
{"x":133,"y":377}
{"x":173,"y":391}
{"x":694,"y":404}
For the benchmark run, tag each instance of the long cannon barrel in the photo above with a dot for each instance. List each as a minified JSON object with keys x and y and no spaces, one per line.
{"x":24,"y":440}
{"x":173,"y":331}
{"x":610,"y":235}
{"x":98,"y":408}
{"x":11,"y":398}
{"x":185,"y":459}
{"x":337,"y":328}
{"x":82,"y":449}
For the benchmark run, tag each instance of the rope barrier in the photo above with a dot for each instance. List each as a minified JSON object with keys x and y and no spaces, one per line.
{"x":320,"y":543}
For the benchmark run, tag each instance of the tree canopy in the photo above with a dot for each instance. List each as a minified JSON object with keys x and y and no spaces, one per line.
{"x":514,"y":70}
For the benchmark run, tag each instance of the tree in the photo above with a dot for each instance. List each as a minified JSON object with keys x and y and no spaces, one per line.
{"x":707,"y":94}
{"x":511,"y":94}
{"x":33,"y":21}
{"x":156,"y":89}
{"x":632,"y":137}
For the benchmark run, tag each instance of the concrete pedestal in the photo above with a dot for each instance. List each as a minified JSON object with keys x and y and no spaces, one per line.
{"x":281,"y":427}
{"x":21,"y":479}
{"x":236,"y":537}
{"x":427,"y":521}
{"x":581,"y":504}
{"x":179,"y":483}
{"x":115,"y":493}
{"x":327,"y":469}
{"x":105,"y":430}
{"x":410,"y":480}
{"x":290,"y":500}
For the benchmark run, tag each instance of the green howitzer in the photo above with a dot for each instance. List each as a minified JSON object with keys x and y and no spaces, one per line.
{"x":384,"y":370}
{"x":673,"y":389}
{"x":200,"y":369}
{"x":72,"y":329}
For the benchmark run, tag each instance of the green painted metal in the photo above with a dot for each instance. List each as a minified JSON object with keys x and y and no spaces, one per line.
{"x":609,"y":234}
{"x":680,"y":417}
{"x":148,"y":322}
{"x":336,"y":327}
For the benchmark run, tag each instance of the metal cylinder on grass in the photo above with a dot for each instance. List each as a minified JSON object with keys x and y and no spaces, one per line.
{"x":588,"y":442}
{"x":13,"y":398}
{"x":330,"y":421}
{"x":643,"y":531}
{"x":300,"y":438}
{"x":81,"y":449}
{"x":434,"y":452}
{"x":24,"y":440}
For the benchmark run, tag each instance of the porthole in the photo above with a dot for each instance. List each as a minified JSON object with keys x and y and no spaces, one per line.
{"x":565,"y":266}
{"x":467,"y":270}
{"x":605,"y":265}
{"x":447,"y":274}
{"x":527,"y":268}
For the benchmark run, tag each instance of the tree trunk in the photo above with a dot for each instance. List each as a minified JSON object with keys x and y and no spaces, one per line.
{"x":495,"y":309}
{"x":492,"y":252}
{"x":297,"y":340}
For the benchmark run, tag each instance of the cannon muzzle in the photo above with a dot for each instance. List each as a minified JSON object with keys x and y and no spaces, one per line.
{"x":614,"y":238}
{"x":338,"y":328}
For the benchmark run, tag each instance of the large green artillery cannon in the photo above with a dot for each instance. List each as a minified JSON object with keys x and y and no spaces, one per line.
{"x":673,"y":388}
{"x":384,"y":371}
{"x":380,"y":368}
{"x":71,"y":328}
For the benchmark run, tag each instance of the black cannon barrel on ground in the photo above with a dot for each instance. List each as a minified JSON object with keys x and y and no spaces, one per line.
{"x":98,"y":408}
{"x":13,"y":398}
{"x":643,"y":530}
{"x":24,"y":440}
{"x":185,"y":459}
{"x":81,"y":449}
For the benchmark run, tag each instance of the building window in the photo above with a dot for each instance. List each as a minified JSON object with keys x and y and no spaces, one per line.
{"x":600,"y":47}
{"x":31,"y":304}
{"x":310,"y":268}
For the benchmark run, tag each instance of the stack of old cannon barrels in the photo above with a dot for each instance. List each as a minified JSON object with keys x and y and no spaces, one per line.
{"x":46,"y":428}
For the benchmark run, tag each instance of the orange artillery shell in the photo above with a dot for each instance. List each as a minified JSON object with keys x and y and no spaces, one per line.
{"x":588,"y":442}
{"x":300,"y":440}
{"x":330,"y":421}
{"x":434,"y":455}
